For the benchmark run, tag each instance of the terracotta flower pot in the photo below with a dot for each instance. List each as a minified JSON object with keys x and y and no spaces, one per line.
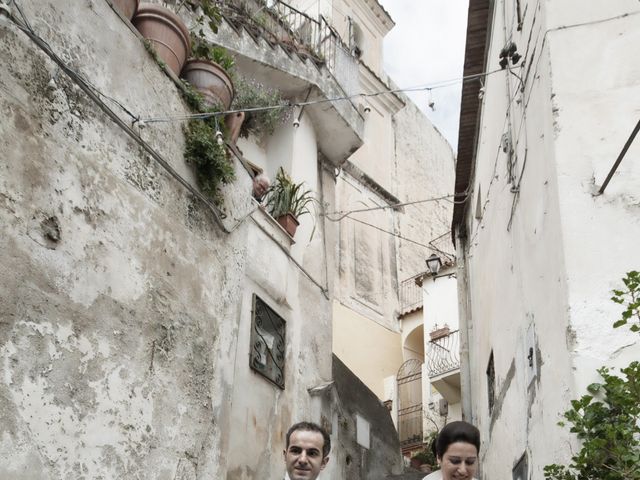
{"x":167,"y":33}
{"x":127,"y":8}
{"x":211,"y":80}
{"x":289,"y":223}
{"x":233,"y":122}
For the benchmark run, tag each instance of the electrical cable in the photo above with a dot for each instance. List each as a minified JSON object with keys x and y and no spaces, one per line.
{"x":80,"y":81}
{"x":68,"y":69}
{"x":45,"y":47}
{"x":401,"y":237}
{"x":196,"y":116}
{"x":345,"y":213}
{"x":527,"y":98}
{"x":494,"y":177}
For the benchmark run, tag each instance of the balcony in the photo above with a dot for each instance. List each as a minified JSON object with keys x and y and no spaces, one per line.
{"x":305,"y":59}
{"x":411,"y":294}
{"x":443,"y":363}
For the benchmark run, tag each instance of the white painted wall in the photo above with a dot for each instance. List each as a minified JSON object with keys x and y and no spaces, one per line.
{"x":551,"y":269}
{"x":440,"y":301}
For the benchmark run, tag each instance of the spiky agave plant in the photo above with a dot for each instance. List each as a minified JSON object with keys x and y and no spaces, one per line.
{"x":286,"y":196}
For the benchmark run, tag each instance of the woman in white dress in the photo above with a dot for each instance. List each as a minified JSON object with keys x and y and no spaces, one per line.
{"x":456,"y":448}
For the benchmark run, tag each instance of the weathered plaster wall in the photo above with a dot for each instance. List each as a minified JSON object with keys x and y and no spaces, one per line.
{"x":409,"y":158}
{"x":371,"y":351}
{"x":423,"y":169}
{"x":367,"y":257}
{"x":119,"y":293}
{"x":373,"y":455}
{"x":125,"y":309}
{"x":532,"y":244}
{"x":596,"y":98}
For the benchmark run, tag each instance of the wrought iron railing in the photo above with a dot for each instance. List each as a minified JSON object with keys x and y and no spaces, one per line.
{"x":410,"y":294}
{"x":409,"y":379}
{"x":280,"y":23}
{"x":443,"y":354}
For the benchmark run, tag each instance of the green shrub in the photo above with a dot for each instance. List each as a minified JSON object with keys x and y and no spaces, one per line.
{"x":251,"y":94}
{"x":210,"y":160}
{"x":607,"y":419}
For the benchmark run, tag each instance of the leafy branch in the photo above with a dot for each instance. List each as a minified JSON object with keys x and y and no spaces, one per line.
{"x":631,"y":297}
{"x":607,"y":419}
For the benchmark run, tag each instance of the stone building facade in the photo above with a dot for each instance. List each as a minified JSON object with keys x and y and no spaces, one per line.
{"x":540,"y":243}
{"x":129,"y":301}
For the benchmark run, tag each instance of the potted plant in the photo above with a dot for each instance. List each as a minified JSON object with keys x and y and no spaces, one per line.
{"x":423,"y":460}
{"x":287,"y":200}
{"x":209,"y":72}
{"x":166,"y":32}
{"x":252,"y":94}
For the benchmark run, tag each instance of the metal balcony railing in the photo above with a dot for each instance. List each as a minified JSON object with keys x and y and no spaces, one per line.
{"x":410,"y":294}
{"x":443,"y":354}
{"x":280,"y":23}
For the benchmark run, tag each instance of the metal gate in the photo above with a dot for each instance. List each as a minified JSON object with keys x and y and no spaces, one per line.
{"x":409,"y":380}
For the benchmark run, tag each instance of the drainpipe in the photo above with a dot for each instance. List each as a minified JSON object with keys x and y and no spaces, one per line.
{"x":464,"y":314}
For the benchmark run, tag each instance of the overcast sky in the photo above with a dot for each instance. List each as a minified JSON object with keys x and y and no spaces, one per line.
{"x":427,"y":46}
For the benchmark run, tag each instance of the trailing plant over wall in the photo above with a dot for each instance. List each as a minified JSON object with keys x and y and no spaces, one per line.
{"x":209,"y":159}
{"x":201,"y":48}
{"x":251,"y":94}
{"x":607,"y":419}
{"x":208,"y":13}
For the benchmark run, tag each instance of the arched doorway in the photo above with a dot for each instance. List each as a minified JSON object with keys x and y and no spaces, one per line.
{"x":409,"y":380}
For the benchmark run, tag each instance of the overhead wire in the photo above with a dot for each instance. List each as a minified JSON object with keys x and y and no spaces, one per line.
{"x":86,"y":87}
{"x":345,"y":213}
{"x":526,"y":99}
{"x":429,"y":87}
{"x":397,"y":235}
{"x":494,"y":177}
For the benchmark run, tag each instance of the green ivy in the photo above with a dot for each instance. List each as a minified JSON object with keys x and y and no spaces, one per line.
{"x":210,"y":160}
{"x":149,"y":47}
{"x":607,"y":419}
{"x":631,"y":298}
{"x":209,"y":13}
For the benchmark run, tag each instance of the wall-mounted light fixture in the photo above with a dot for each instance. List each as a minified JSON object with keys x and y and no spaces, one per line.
{"x":509,"y":52}
{"x":434,"y":264}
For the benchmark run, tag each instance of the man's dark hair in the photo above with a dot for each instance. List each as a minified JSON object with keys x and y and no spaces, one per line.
{"x":311,"y":427}
{"x":456,"y":432}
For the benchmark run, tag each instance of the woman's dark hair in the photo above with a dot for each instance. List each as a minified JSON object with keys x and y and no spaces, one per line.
{"x":456,"y":432}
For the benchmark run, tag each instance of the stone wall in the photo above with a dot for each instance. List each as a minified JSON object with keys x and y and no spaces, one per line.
{"x":124,"y":311}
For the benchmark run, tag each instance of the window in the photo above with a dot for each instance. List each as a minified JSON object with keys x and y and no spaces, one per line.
{"x":363,"y":432}
{"x":491,"y":383}
{"x":267,"y":342}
